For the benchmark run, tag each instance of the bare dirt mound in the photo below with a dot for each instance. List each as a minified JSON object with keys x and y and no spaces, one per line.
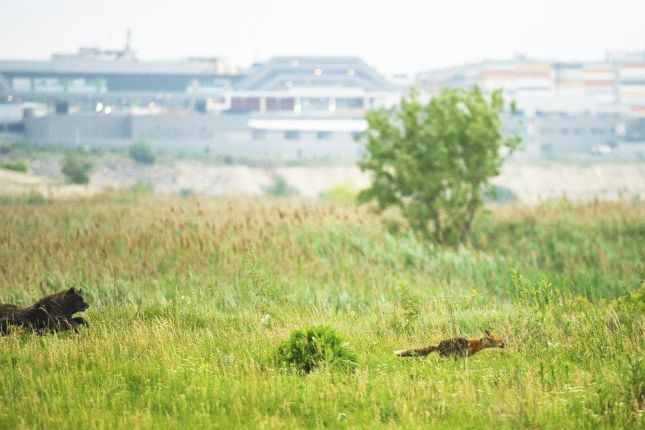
{"x":15,"y":184}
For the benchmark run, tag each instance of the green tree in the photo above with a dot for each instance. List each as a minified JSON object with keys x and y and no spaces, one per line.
{"x":142,"y":152}
{"x":77,"y":171}
{"x":432,"y":160}
{"x":17,"y":166}
{"x":280,"y":188}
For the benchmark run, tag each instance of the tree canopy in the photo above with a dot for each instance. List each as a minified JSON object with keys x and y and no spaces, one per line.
{"x":432,"y":160}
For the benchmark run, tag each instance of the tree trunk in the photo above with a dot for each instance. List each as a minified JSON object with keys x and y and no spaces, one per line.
{"x":471,"y":210}
{"x":438,"y":228}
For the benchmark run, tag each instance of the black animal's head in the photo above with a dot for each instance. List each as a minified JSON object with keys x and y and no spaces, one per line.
{"x":73,"y":301}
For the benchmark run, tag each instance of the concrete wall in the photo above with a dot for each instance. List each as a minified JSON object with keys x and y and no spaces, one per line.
{"x":197,"y":134}
{"x":70,"y":130}
{"x":579,"y":134}
{"x":548,"y":135}
{"x":190,"y":127}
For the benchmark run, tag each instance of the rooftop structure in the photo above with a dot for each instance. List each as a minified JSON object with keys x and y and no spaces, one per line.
{"x":304,"y":105}
{"x":284,"y":73}
{"x":287,"y":105}
{"x":613,"y":85}
{"x":312,"y":85}
{"x":96,"y":81}
{"x":114,"y":78}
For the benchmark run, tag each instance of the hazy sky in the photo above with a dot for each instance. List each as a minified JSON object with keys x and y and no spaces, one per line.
{"x":403,"y":36}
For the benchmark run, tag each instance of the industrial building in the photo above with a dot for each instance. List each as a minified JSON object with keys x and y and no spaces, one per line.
{"x":567,"y":108}
{"x":615,"y":84}
{"x":303,"y":106}
{"x":288,"y":106}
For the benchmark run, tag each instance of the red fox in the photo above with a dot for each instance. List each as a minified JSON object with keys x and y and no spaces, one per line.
{"x":456,"y":347}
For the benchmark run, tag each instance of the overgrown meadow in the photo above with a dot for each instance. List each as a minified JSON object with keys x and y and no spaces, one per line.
{"x":190,"y":299}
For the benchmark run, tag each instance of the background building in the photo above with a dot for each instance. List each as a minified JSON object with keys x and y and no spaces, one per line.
{"x":303,"y":106}
{"x":288,"y":106}
{"x":566,"y":108}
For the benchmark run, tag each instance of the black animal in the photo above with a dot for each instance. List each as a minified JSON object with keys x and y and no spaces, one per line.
{"x":52,"y":313}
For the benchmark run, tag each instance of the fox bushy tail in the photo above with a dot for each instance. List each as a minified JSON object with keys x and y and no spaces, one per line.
{"x":416,"y":352}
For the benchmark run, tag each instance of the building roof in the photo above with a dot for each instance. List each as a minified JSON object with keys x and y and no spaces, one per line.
{"x":281,"y":73}
{"x":88,"y":66}
{"x":346,"y":75}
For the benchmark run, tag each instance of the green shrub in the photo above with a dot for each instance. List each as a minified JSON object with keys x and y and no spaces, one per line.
{"x":280,"y":188}
{"x":498,"y":194}
{"x":405,"y":316}
{"x":17,"y":166}
{"x":344,"y":194}
{"x":311,"y":347}
{"x":77,"y":171}
{"x":35,"y":199}
{"x":186,"y":192}
{"x":632,"y":302}
{"x":142,"y":188}
{"x":142,"y":152}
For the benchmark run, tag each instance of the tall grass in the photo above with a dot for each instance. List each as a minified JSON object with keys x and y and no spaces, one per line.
{"x":192,"y":297}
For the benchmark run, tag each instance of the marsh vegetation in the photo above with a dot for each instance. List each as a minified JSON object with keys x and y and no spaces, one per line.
{"x":190,"y":299}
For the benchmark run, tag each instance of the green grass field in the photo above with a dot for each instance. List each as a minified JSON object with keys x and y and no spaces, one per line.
{"x":190,"y":299}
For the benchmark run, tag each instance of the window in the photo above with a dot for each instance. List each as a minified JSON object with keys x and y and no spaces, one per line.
{"x":48,"y":85}
{"x":323,"y":135}
{"x":280,"y":103}
{"x":292,"y":135}
{"x":259,"y":134}
{"x":315,"y":104}
{"x":16,"y":127}
{"x":21,"y":84}
{"x":349,"y":103}
{"x":245,"y":104}
{"x":546,"y":148}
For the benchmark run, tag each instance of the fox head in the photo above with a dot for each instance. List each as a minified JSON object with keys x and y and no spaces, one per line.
{"x":491,"y":341}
